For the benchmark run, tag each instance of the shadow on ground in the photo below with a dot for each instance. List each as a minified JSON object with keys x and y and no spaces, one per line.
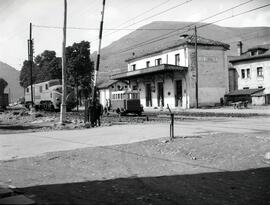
{"x":250,"y":187}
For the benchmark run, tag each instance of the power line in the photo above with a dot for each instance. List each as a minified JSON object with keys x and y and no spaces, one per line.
{"x":145,"y":12}
{"x":154,"y":15}
{"x":219,"y":13}
{"x":239,"y":14}
{"x":113,"y":29}
{"x":246,"y":39}
{"x":141,"y":14}
{"x":207,"y":24}
{"x":193,"y":24}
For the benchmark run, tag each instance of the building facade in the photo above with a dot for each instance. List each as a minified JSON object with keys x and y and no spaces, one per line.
{"x":167,"y":76}
{"x":106,"y":89}
{"x":252,"y":71}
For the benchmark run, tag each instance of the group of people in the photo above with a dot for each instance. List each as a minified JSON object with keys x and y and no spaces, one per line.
{"x":95,"y":111}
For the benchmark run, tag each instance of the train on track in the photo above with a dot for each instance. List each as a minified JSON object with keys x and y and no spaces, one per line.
{"x":124,"y":102}
{"x":48,"y":96}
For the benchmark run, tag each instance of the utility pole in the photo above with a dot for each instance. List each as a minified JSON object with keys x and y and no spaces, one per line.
{"x":63,"y":104}
{"x":30,"y":59}
{"x":94,"y":92}
{"x":196,"y":67}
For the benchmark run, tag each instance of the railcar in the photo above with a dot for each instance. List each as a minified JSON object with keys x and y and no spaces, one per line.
{"x":48,"y":96}
{"x":124,"y":102}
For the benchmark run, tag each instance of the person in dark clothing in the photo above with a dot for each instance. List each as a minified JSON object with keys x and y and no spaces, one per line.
{"x":92,"y":114}
{"x":99,"y":108}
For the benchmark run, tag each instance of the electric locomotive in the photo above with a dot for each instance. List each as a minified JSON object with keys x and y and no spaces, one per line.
{"x":48,"y":95}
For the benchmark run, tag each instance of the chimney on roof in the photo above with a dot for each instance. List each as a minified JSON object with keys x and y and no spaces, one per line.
{"x":239,"y":48}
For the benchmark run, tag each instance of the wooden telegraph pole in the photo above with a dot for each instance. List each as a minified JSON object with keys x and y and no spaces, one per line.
{"x":63,"y":104}
{"x":196,"y":67}
{"x":94,"y":92}
{"x":30,"y":59}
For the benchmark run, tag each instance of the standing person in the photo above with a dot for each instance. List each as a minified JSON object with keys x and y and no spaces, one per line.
{"x":92,"y":113}
{"x":99,"y":112}
{"x":109,"y":104}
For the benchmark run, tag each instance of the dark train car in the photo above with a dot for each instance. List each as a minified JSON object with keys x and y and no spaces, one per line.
{"x":124,"y":102}
{"x":3,"y":101}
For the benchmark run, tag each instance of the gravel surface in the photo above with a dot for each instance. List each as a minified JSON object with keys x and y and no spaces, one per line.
{"x":208,"y":169}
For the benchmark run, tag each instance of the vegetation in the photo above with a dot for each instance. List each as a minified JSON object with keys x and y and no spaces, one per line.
{"x":3,"y":85}
{"x":80,"y":67}
{"x":24,"y":78}
{"x":47,"y":66}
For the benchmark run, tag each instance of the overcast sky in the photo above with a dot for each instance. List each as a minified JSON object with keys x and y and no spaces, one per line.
{"x":15,"y":16}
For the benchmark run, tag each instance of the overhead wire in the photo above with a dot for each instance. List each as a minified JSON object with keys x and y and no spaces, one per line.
{"x":219,"y":13}
{"x":144,"y":12}
{"x":154,"y":15}
{"x":167,"y":35}
{"x":156,"y":39}
{"x":94,"y":29}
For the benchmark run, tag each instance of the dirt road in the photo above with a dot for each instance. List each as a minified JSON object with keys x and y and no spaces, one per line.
{"x":14,"y":146}
{"x":219,"y":161}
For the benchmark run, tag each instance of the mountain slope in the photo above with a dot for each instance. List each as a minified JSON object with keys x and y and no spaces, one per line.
{"x":11,"y":75}
{"x":113,"y":56}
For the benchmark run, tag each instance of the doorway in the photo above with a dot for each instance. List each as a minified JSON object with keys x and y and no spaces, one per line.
{"x":148,"y":94}
{"x":160,"y":94}
{"x":178,"y":93}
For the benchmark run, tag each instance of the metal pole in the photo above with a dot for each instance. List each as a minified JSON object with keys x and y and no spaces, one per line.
{"x":196,"y":66}
{"x":98,"y":55}
{"x":63,"y":104}
{"x":31,"y":63}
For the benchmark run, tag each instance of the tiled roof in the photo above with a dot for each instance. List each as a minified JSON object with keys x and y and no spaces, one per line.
{"x":150,"y":70}
{"x":264,"y":46}
{"x":246,"y":55}
{"x":106,"y":84}
{"x":244,"y":92}
{"x":188,"y":40}
{"x":258,"y":94}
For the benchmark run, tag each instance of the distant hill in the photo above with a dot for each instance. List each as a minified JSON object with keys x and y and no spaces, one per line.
{"x":11,"y":75}
{"x":113,"y":56}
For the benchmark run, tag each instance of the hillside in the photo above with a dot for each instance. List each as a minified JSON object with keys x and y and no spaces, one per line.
{"x":113,"y":56}
{"x":11,"y":75}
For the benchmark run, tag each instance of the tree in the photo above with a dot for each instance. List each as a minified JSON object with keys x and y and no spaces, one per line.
{"x":79,"y":66}
{"x":3,"y":85}
{"x":25,"y":74}
{"x":48,"y":66}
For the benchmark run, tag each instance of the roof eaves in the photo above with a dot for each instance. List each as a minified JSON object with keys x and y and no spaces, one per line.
{"x":244,"y":58}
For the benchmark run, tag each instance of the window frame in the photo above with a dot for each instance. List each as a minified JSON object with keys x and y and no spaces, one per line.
{"x":259,"y":72}
{"x":177,"y":59}
{"x":40,"y":89}
{"x":158,"y":61}
{"x":243,"y":73}
{"x":147,"y":64}
{"x":133,"y":67}
{"x":248,"y":72}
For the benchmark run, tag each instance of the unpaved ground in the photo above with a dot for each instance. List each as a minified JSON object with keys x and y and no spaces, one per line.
{"x":208,"y":169}
{"x":21,"y":120}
